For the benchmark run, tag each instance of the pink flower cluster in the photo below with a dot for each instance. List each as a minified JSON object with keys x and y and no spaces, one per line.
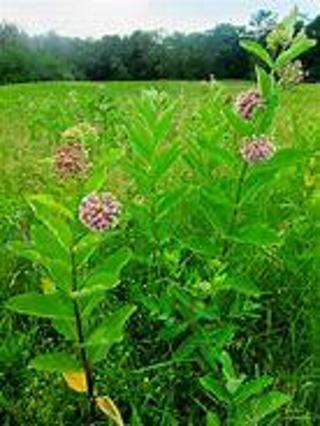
{"x":99,"y":212}
{"x":247,"y":103}
{"x":71,"y":160}
{"x":258,"y":150}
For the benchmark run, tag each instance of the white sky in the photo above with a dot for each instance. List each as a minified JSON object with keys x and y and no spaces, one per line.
{"x":94,"y":18}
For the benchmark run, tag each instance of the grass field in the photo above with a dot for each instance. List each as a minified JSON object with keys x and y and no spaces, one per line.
{"x":153,"y":375}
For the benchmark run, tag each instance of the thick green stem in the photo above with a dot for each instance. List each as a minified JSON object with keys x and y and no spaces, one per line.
{"x":235,"y":211}
{"x":82,"y":351}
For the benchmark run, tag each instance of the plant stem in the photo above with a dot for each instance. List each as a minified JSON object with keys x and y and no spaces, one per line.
{"x":237,"y":200}
{"x":82,"y":351}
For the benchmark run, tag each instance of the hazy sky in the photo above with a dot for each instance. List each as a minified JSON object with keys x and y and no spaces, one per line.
{"x":96,"y":17}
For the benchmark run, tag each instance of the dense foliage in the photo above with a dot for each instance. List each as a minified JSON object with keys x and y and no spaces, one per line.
{"x":190,"y":295}
{"x":140,"y":56}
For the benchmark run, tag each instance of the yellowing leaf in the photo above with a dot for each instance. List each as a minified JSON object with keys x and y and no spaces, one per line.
{"x":76,"y":381}
{"x":310,"y":180}
{"x":108,"y":407}
{"x":47,"y":286}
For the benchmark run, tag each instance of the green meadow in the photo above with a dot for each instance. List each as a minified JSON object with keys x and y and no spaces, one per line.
{"x":205,"y":322}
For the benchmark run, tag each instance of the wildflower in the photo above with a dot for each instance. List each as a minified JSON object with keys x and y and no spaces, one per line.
{"x":279,"y":38}
{"x":79,"y":133}
{"x":248,"y":102}
{"x":99,"y":212}
{"x":258,"y":150}
{"x":71,"y":160}
{"x":292,"y":75}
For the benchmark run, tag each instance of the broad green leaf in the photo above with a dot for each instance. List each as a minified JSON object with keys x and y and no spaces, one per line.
{"x":264,"y":117}
{"x":116,"y":261}
{"x":141,"y":140}
{"x":107,"y":274}
{"x":287,"y":157}
{"x":56,"y":224}
{"x":227,"y":365}
{"x":268,"y":404}
{"x":86,"y":248}
{"x":242,"y":127}
{"x":20,"y":249}
{"x":169,"y":201}
{"x":252,"y":388}
{"x":216,"y":389}
{"x":213,"y":419}
{"x":60,"y":273}
{"x":163,"y":124}
{"x":96,"y":181}
{"x":165,"y":160}
{"x":257,"y":234}
{"x":40,"y":305}
{"x":58,"y":362}
{"x":51,"y":204}
{"x":111,"y":330}
{"x":98,"y":282}
{"x":241,"y":285}
{"x":201,"y":244}
{"x":222,"y":156}
{"x":255,"y":48}
{"x":298,"y":48}
{"x":265,"y":83}
{"x":47,"y":245}
{"x":66,"y":328}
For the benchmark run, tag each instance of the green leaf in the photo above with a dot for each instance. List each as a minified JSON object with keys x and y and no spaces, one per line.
{"x":268,"y":404}
{"x":51,"y":204}
{"x":187,"y":348}
{"x":165,"y":161}
{"x":60,"y":273}
{"x":241,"y":126}
{"x":242,"y":285}
{"x":47,"y":245}
{"x":258,"y":234}
{"x":252,"y":388}
{"x":96,"y":181}
{"x":66,"y":328}
{"x":57,"y":362}
{"x":86,"y":248}
{"x":20,"y":249}
{"x":200,"y":244}
{"x":255,"y":48}
{"x":163,"y":124}
{"x":227,"y":365}
{"x":169,"y":201}
{"x":111,"y":330}
{"x":216,"y":389}
{"x":55,"y":223}
{"x":107,"y":274}
{"x":98,"y":282}
{"x":264,"y":117}
{"x":141,"y":140}
{"x":265,"y":82}
{"x":39,"y":305}
{"x":212,"y":419}
{"x":298,"y":48}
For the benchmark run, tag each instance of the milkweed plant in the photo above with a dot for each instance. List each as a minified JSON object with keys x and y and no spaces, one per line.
{"x":189,"y":206}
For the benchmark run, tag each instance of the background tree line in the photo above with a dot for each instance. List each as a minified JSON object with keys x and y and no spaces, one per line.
{"x":141,"y":55}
